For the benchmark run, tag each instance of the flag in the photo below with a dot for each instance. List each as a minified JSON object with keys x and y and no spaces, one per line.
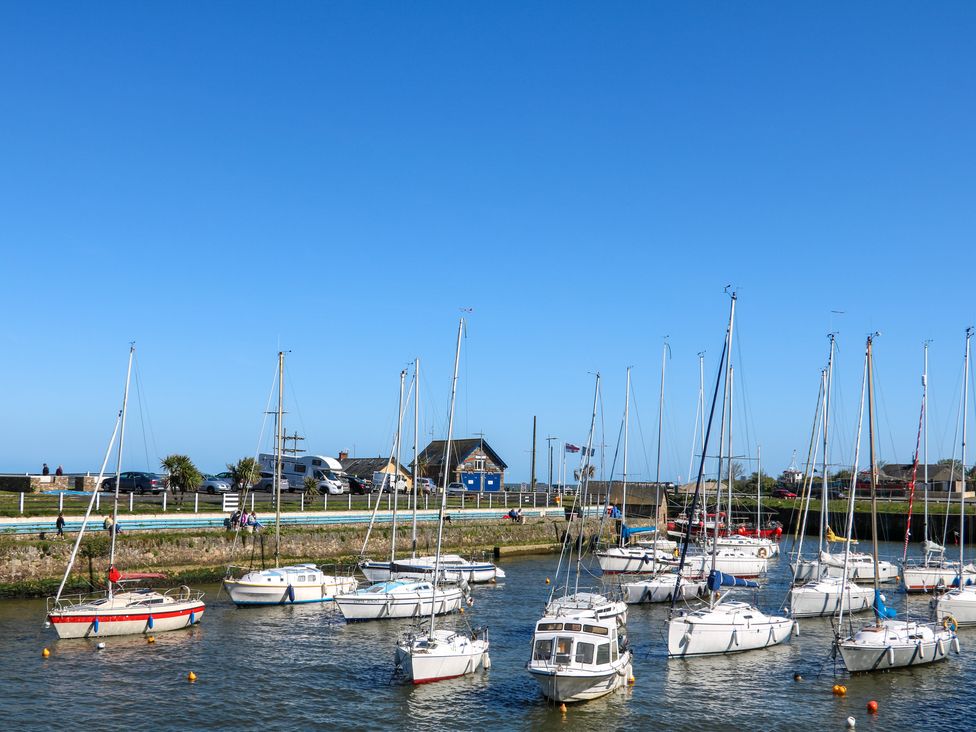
{"x":570,"y":447}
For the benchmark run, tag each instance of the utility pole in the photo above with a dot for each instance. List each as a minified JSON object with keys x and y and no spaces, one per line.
{"x":550,"y":441}
{"x":533,"y":453}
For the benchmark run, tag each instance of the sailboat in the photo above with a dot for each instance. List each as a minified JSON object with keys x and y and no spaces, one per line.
{"x":294,"y":584}
{"x":443,"y":653}
{"x":822,"y":596}
{"x":120,"y":610}
{"x":958,"y":605}
{"x":578,"y":649}
{"x":413,"y":593}
{"x":722,"y":625}
{"x":888,"y":643}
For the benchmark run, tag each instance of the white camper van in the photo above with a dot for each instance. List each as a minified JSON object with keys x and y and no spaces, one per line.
{"x":325,"y":470}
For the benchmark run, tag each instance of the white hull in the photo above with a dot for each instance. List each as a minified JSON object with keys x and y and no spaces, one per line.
{"x":254,"y":593}
{"x":632,"y":560}
{"x":568,"y":686}
{"x":661,"y":588}
{"x":896,"y":644}
{"x":588,"y":605}
{"x":761,"y":548}
{"x":365,"y":605}
{"x":960,"y":604}
{"x":452,"y":569}
{"x":450,"y":655}
{"x":816,"y":599}
{"x":126,"y":614}
{"x":919,"y":578}
{"x":734,"y":563}
{"x":859,"y":568}
{"x":729,"y":627}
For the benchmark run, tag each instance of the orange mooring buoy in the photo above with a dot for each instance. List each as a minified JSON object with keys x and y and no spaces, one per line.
{"x":873,"y":707}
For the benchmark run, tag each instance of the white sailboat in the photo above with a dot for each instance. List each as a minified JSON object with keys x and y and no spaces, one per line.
{"x":888,"y":643}
{"x":442,"y":653}
{"x":120,"y":610}
{"x":290,"y":585}
{"x":722,"y":625}
{"x":958,"y":605}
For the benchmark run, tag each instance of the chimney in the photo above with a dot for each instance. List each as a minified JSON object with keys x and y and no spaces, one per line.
{"x":343,"y":455}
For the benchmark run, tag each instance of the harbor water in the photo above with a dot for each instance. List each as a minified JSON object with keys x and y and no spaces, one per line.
{"x":302,"y":667}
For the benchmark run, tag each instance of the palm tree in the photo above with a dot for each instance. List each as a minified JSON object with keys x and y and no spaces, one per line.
{"x":311,"y":487}
{"x":245,"y":472}
{"x":183,"y":474}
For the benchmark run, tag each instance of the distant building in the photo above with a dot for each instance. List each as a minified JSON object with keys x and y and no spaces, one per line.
{"x":895,"y":478}
{"x":472,"y":462}
{"x":365,"y":468}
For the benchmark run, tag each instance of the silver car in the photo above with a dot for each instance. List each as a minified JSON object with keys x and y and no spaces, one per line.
{"x":212,"y":484}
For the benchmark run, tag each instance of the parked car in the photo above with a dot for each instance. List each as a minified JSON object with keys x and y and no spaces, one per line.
{"x":456,"y":489}
{"x":136,"y":483}
{"x":212,"y":484}
{"x":425,"y":486}
{"x":837,"y":493}
{"x":358,"y":486}
{"x":267,"y":482}
{"x":783,"y":493}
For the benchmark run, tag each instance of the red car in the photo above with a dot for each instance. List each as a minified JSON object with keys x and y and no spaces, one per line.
{"x":783,"y":493}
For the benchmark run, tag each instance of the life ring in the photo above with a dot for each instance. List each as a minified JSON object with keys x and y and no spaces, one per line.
{"x":762,"y":553}
{"x":676,"y":553}
{"x":949,"y":623}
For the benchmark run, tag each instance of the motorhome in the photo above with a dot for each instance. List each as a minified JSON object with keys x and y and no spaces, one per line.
{"x":325,"y":470}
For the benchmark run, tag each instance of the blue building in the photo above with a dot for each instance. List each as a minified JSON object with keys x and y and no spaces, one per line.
{"x":472,"y":462}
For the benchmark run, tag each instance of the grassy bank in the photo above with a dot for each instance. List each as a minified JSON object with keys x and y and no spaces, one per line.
{"x":31,"y":567}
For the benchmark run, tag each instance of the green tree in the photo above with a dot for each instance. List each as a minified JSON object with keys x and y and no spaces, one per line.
{"x":245,"y":472}
{"x":182,"y":475}
{"x":311,"y":487}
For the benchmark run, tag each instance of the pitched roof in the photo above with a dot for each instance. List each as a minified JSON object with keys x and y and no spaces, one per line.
{"x":365,"y":467}
{"x":433,"y":454}
{"x":903,"y":471}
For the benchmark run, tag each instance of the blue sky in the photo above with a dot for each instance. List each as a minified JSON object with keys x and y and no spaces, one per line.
{"x":216,"y":181}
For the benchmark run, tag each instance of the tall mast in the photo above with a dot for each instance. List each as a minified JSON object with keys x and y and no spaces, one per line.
{"x":721,"y":439}
{"x":278,"y":446}
{"x":447,"y":457}
{"x":585,"y":486}
{"x":962,"y":498}
{"x":826,"y":466}
{"x":623,"y":507}
{"x":118,"y":469}
{"x":925,"y":438}
{"x":728,"y":515}
{"x":416,"y":431}
{"x":758,"y":491}
{"x":701,"y":397}
{"x":874,"y":474}
{"x":396,"y":468}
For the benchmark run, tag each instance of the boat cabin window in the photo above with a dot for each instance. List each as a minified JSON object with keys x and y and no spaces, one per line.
{"x":584,"y":652}
{"x":564,"y":647}
{"x":603,"y":653}
{"x":613,"y":651}
{"x":574,"y":626}
{"x":596,"y":629}
{"x":550,"y":626}
{"x":543,"y":650}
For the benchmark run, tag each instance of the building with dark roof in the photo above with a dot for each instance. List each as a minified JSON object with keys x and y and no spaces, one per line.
{"x":366,"y":467}
{"x":472,"y":462}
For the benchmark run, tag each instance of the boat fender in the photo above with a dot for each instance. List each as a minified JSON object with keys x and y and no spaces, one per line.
{"x":150,"y":623}
{"x":676,"y":553}
{"x":921,"y":650}
{"x":796,"y":627}
{"x":939,"y":648}
{"x":762,"y":553}
{"x":891,"y":655}
{"x":955,"y":643}
{"x":486,"y":660}
{"x":949,"y":623}
{"x":95,"y":625}
{"x":291,"y":593}
{"x":193,"y":617}
{"x":735,"y":636}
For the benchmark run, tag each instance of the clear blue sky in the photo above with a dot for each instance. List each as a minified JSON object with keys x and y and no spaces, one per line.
{"x":213,"y":180}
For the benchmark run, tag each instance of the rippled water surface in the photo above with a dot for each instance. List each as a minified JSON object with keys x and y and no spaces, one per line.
{"x":302,"y":668}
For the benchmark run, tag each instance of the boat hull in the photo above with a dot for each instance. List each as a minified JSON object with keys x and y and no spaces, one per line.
{"x":569,"y":686}
{"x":473,"y":573}
{"x":381,"y":606}
{"x":876,"y":648}
{"x":255,"y":594}
{"x":929,"y":579}
{"x":661,"y":589}
{"x":442,"y":661}
{"x":689,"y":636}
{"x":632,"y":560}
{"x":823,"y":598}
{"x":959,"y":604}
{"x":84,"y":623}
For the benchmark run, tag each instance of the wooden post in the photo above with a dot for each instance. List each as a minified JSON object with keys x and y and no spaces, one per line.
{"x":132,"y":497}
{"x":350,"y":501}
{"x":98,"y":499}
{"x":164,"y":501}
{"x":252,"y":508}
{"x":302,"y":504}
{"x":22,"y":502}
{"x":196,"y":502}
{"x":60,"y":501}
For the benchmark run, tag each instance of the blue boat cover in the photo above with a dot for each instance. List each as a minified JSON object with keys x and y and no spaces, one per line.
{"x":880,"y":609}
{"x":718,"y":579}
{"x":955,"y":581}
{"x":626,"y":532}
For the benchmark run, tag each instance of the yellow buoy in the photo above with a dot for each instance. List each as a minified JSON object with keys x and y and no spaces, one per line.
{"x":461,"y":610}
{"x":151,"y":639}
{"x":191,"y":677}
{"x":562,"y":707}
{"x":45,"y":653}
{"x":547,"y":580}
{"x":631,"y":680}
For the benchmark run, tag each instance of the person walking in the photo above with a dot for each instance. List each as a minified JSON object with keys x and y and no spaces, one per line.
{"x":59,"y":472}
{"x":45,"y":470}
{"x":60,"y":525}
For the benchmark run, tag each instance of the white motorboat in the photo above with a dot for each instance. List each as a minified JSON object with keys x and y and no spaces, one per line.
{"x":660,"y":588}
{"x":575,"y":660}
{"x":445,"y":654}
{"x":632,"y":559}
{"x":588,"y":605}
{"x":822,"y":597}
{"x":896,"y":644}
{"x":453,"y":568}
{"x":399,"y":599}
{"x":130,"y":612}
{"x":860,"y":566}
{"x":726,"y":627}
{"x":956,"y":607}
{"x":287,"y":586}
